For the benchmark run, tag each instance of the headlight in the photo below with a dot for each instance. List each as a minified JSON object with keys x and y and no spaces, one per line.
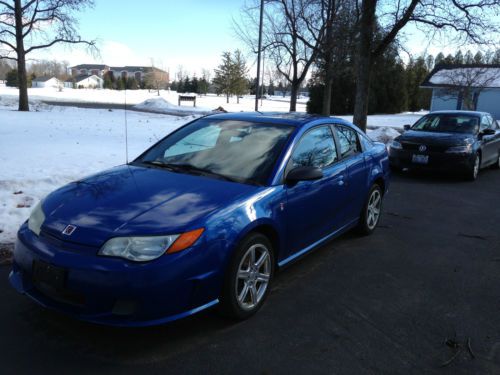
{"x":143,"y":249}
{"x":36,"y":219}
{"x":396,"y":145}
{"x":467,"y":149}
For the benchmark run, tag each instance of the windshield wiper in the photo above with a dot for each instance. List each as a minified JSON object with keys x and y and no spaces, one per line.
{"x":157,"y":163}
{"x":192,"y":168}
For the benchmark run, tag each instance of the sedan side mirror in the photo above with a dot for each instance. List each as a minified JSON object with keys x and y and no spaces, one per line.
{"x":406,"y":127}
{"x":304,"y":174}
{"x":488,"y":132}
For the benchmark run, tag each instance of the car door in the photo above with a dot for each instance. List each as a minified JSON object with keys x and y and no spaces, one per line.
{"x":315,"y":208}
{"x":352,"y":155}
{"x":489,"y":141}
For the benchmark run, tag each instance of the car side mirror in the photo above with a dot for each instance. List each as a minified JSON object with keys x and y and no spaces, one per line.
{"x":488,"y":132}
{"x":304,"y":174}
{"x":406,"y":127}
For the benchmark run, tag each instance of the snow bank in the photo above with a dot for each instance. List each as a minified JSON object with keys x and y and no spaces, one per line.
{"x":161,"y":105}
{"x":383,"y":134}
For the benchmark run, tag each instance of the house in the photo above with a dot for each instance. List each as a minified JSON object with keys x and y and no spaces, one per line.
{"x":84,"y":82}
{"x":100,"y":70}
{"x":46,"y":82}
{"x":471,"y":86}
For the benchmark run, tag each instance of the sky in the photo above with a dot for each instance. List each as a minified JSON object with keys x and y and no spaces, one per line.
{"x":173,"y":33}
{"x":191,"y":33}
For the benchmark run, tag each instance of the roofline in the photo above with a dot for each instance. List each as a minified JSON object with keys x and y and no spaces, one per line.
{"x":426,"y":84}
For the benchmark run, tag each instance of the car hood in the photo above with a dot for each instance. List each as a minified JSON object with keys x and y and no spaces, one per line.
{"x":131,"y":200}
{"x":436,"y":138}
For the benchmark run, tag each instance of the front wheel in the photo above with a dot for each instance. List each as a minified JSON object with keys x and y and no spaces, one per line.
{"x":473,"y":171}
{"x":371,"y":211}
{"x":248,"y":277}
{"x":497,"y":164}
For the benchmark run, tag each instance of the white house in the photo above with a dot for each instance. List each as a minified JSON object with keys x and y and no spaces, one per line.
{"x":85,"y":82}
{"x":46,"y":82}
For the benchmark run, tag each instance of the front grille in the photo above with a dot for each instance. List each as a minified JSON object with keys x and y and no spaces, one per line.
{"x":430,"y":148}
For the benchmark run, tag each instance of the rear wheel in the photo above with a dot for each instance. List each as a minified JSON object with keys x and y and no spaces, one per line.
{"x":371,"y":212}
{"x":248,"y":277}
{"x":473,"y":171}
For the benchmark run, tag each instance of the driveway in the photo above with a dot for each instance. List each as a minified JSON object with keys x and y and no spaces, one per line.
{"x":381,"y":304}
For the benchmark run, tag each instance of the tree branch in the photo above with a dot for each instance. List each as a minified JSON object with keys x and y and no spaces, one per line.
{"x":60,"y":40}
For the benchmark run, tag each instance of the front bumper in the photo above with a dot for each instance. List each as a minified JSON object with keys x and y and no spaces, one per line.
{"x":439,"y":161}
{"x":118,"y":292}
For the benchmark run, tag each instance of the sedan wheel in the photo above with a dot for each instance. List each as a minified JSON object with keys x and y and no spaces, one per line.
{"x":372,"y":210}
{"x":474,"y":170}
{"x":253,"y":276}
{"x":248,"y":278}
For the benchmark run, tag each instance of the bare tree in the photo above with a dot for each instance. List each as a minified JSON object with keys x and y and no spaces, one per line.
{"x":31,"y":25}
{"x":466,"y":82}
{"x":156,"y":79}
{"x":457,"y":21}
{"x":292,"y":33}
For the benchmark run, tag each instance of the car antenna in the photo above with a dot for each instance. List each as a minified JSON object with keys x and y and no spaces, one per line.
{"x":126,"y":128}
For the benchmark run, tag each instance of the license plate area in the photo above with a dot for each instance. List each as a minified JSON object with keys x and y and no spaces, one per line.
{"x":420,"y":159}
{"x":47,"y":274}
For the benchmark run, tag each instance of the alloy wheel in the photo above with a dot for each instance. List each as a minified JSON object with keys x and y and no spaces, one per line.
{"x":373,"y":209}
{"x":253,"y":275}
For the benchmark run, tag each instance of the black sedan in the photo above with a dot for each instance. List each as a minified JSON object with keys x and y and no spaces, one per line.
{"x":460,"y":141}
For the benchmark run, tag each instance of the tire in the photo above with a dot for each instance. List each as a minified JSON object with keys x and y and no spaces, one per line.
{"x":473,"y":171}
{"x":372,"y":210}
{"x":497,"y":164}
{"x":245,"y":287}
{"x":396,"y":169}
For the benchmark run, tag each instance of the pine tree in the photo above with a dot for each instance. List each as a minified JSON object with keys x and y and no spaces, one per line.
{"x":478,"y":58}
{"x":224,"y":75}
{"x":469,"y":58}
{"x":12,"y":79}
{"x":439,"y":58}
{"x":239,"y":81}
{"x":459,"y":57}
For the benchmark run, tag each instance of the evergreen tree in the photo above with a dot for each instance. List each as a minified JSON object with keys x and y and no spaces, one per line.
{"x":131,"y":84}
{"x":186,"y":85}
{"x":459,"y":57}
{"x":239,"y":82}
{"x":224,"y":75}
{"x":439,"y":58}
{"x":12,"y":79}
{"x":478,"y":58}
{"x":195,"y":84}
{"x":203,"y":86}
{"x":469,"y":58}
{"x":271,"y":88}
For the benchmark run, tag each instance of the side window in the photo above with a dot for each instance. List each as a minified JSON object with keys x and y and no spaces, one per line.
{"x":348,"y":139}
{"x":366,"y":142}
{"x":199,"y":140}
{"x":316,"y":148}
{"x":485,"y":123}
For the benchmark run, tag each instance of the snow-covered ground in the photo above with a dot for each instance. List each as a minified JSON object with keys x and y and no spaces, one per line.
{"x":51,"y":146}
{"x":133,"y":97}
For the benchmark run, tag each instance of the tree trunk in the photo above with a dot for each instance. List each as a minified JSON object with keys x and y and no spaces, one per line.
{"x":364,"y":62}
{"x":21,"y":58}
{"x":327,"y":94}
{"x":227,"y":98}
{"x":293,"y":96}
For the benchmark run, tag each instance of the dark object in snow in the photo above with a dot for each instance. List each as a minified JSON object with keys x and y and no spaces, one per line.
{"x":23,"y":205}
{"x":18,"y":192}
{"x":220,"y":109}
{"x":5,"y":254}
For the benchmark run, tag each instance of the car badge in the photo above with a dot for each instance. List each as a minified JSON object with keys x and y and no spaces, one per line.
{"x":422,"y":148}
{"x":68,"y":231}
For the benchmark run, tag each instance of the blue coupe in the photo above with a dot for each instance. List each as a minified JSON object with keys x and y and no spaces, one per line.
{"x":204,"y":217}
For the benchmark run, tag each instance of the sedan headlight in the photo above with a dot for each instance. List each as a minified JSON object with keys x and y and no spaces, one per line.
{"x":143,"y":249}
{"x":36,"y":219}
{"x":465,"y":149}
{"x":396,"y":145}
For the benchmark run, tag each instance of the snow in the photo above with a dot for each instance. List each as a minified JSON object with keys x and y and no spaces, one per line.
{"x":50,"y":146}
{"x":159,"y":104}
{"x":134,"y":97}
{"x":41,"y":151}
{"x":476,"y":77}
{"x":383,"y":134}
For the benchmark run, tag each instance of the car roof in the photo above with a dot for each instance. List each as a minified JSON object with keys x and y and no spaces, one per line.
{"x":297,"y":119}
{"x":461,"y":112}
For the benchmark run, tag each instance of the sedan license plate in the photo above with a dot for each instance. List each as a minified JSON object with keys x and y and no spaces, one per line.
{"x":48,"y":274}
{"x":420,"y":159}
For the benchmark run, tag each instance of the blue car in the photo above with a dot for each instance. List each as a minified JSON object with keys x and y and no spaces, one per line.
{"x":206,"y":216}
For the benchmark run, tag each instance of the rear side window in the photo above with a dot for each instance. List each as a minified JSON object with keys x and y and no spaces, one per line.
{"x":485,"y":123}
{"x":348,"y":139}
{"x":316,"y":148}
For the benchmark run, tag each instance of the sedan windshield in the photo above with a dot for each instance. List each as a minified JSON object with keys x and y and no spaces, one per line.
{"x":448,"y":123}
{"x":239,"y":151}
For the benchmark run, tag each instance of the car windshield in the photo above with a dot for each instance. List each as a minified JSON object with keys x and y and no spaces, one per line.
{"x":448,"y":123}
{"x":241,"y":151}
